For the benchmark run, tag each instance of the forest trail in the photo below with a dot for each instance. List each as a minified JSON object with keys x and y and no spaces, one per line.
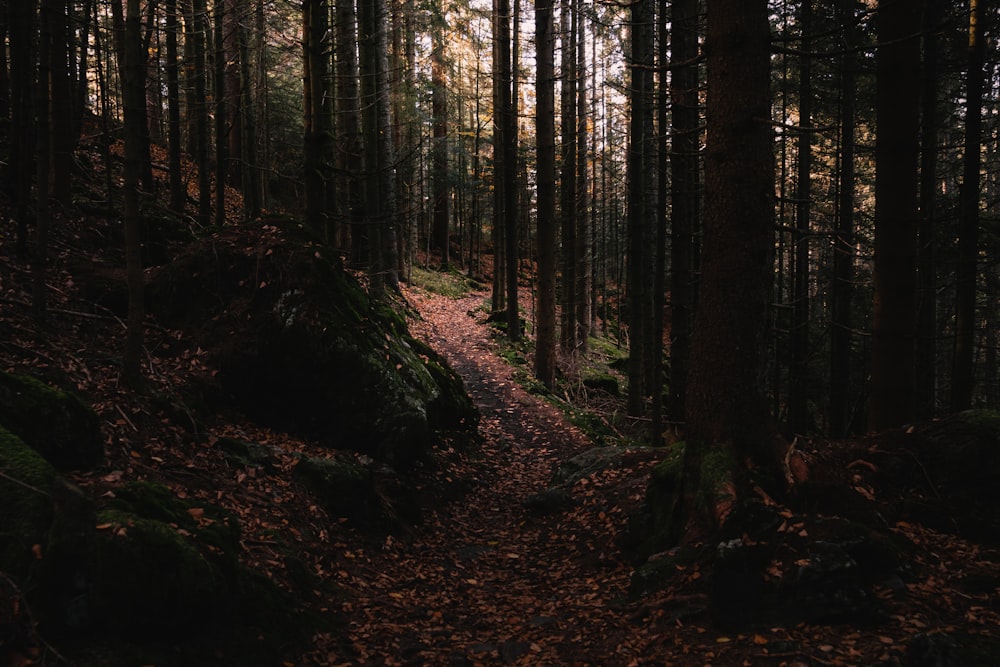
{"x":485,"y":580}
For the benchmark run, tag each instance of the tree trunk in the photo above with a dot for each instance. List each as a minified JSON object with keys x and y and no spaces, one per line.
{"x":349,"y":160}
{"x":641,"y":169}
{"x":61,"y":86}
{"x":196,"y":31}
{"x":685,"y":186}
{"x":508,"y":116}
{"x":545,"y":332}
{"x":21,"y":164}
{"x":316,"y":124}
{"x":896,"y":158}
{"x":221,"y":115}
{"x":377,"y":132}
{"x":43,"y":161}
{"x":178,"y":193}
{"x":727,"y":413}
{"x":798,"y":389}
{"x":582,"y":249}
{"x":927,"y":284}
{"x":842,"y":290}
{"x":962,"y":376}
{"x":135,"y":102}
{"x":439,"y":152}
{"x":567,"y":179}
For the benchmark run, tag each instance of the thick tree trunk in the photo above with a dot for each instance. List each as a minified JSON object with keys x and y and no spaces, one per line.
{"x":962,"y":376}
{"x":685,"y":190}
{"x":567,"y":178}
{"x":897,"y":95}
{"x":641,"y":170}
{"x":727,"y":413}
{"x":545,"y":332}
{"x":439,"y":161}
{"x":842,"y":290}
{"x":134,"y":94}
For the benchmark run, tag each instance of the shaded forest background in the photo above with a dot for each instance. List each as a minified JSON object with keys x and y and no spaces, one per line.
{"x":562,"y":146}
{"x":778,"y":219}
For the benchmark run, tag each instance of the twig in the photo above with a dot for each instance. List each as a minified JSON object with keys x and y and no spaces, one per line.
{"x":125,"y":417}
{"x":25,"y":484}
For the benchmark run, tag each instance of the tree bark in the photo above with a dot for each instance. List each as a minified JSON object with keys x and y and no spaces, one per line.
{"x":962,"y":376}
{"x":896,"y":156}
{"x":641,"y":170}
{"x":685,"y":189}
{"x":842,"y":290}
{"x":545,"y":332}
{"x":727,"y":411}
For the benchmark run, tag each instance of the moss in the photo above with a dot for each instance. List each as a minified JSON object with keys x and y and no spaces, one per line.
{"x":716,"y":475}
{"x":207,"y":523}
{"x":24,"y":496}
{"x":55,"y":423}
{"x":661,"y":499}
{"x":987,"y":421}
{"x":656,"y":574}
{"x":149,"y":578}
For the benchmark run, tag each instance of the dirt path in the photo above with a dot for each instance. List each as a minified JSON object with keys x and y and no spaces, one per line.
{"x":485,"y":581}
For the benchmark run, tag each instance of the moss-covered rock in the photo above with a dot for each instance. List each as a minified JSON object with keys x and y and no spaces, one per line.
{"x":25,"y":498}
{"x":299,"y":345}
{"x":56,"y":423}
{"x":346,"y":489}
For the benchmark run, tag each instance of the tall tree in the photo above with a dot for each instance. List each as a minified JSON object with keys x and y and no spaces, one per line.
{"x":505,"y":160}
{"x":348,"y":157}
{"x":685,"y":187}
{"x":43,"y":160}
{"x":567,"y":177}
{"x":221,"y":114}
{"x":798,"y":411}
{"x":641,"y":209}
{"x":440,"y":177}
{"x":582,"y":250}
{"x":927,"y":282}
{"x":178,"y":193}
{"x":61,"y":93}
{"x":727,"y":413}
{"x":135,"y":143}
{"x":317,"y":114}
{"x":376,"y":127}
{"x":897,"y":99}
{"x":963,"y":377}
{"x":545,"y":131}
{"x":196,"y":34}
{"x":842,"y":290}
{"x":20,"y":166}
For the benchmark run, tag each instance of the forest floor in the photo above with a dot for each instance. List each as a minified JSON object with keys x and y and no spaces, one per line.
{"x":486,"y":578}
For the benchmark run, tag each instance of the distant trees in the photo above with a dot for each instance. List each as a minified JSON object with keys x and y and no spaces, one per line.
{"x":373,"y":123}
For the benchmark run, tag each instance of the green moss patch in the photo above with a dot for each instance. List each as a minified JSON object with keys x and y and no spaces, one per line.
{"x":57,"y":424}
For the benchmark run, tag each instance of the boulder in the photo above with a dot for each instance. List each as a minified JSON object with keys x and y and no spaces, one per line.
{"x":299,"y":345}
{"x":57,"y":424}
{"x":26,"y":481}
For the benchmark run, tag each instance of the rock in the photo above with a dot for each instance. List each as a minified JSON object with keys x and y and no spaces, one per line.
{"x":26,"y":481}
{"x":549,"y":501}
{"x":344,"y":488}
{"x":57,"y":424}
{"x":299,"y":346}
{"x":586,"y":463}
{"x":245,"y":454}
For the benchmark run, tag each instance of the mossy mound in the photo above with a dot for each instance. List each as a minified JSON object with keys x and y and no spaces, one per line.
{"x":55,"y":423}
{"x":299,"y":345}
{"x":25,"y":499}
